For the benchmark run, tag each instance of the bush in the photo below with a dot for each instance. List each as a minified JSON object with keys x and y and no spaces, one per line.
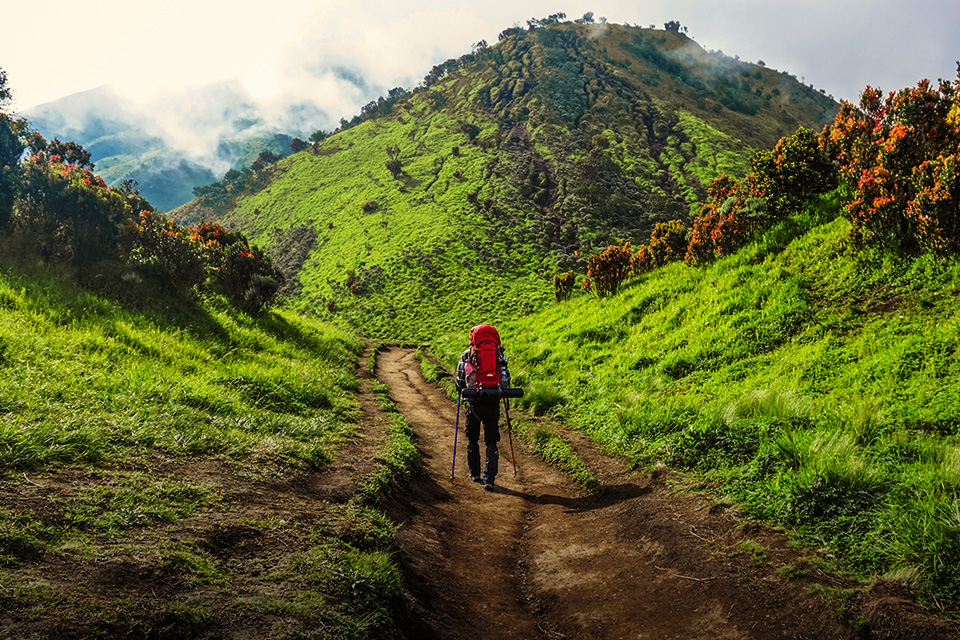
{"x":668,"y":242}
{"x":796,"y":171}
{"x":12,"y":145}
{"x":563,"y":285}
{"x":715,"y":232}
{"x":900,"y":157}
{"x":608,"y":270}
{"x":395,"y":167}
{"x":248,"y":278}
{"x":71,"y":214}
{"x":470,"y":129}
{"x":159,"y":249}
{"x":642,"y":260}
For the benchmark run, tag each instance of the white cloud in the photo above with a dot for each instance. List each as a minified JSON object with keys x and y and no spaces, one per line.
{"x":276,"y":48}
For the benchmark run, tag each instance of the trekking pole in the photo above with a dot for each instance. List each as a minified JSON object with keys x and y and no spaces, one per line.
{"x":456,"y":428}
{"x":513,"y":458}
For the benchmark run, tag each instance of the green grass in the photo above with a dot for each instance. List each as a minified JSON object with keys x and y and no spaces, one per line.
{"x":24,"y":537}
{"x":134,"y":500}
{"x":791,"y":572}
{"x":756,"y":552}
{"x":817,"y":388}
{"x":840,"y":599}
{"x":400,"y":459}
{"x":88,"y":382}
{"x":100,"y":400}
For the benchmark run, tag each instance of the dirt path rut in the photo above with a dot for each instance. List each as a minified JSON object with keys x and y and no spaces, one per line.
{"x":538,"y":559}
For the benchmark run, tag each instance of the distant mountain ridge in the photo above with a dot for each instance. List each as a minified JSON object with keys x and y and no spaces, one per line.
{"x":509,"y":164}
{"x":197,"y":136}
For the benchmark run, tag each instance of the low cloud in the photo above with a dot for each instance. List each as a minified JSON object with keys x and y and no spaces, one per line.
{"x":597,"y":30}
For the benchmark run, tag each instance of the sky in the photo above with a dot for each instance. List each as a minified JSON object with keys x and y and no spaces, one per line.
{"x":281,"y":51}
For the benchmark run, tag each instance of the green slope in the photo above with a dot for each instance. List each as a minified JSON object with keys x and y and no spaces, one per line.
{"x":816,"y":389}
{"x":88,"y":381}
{"x":530,"y":155}
{"x":171,"y":451}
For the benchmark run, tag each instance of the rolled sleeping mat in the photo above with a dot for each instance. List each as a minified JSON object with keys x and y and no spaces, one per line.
{"x":492,"y":393}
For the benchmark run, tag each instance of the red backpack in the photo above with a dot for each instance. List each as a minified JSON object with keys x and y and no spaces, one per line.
{"x":485,"y":357}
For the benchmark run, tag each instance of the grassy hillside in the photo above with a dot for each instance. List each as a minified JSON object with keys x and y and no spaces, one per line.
{"x":186,"y":390}
{"x":815,"y":388}
{"x":410,"y":244}
{"x":154,"y":465}
{"x":518,"y":160}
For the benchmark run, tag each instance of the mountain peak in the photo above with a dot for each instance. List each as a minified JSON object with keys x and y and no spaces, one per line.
{"x":507,"y":164}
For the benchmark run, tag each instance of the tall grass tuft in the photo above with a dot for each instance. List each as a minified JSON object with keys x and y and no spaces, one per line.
{"x":775,"y":405}
{"x":542,"y":398}
{"x":925,"y":533}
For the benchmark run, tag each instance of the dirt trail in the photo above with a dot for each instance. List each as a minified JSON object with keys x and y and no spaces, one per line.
{"x":538,"y":559}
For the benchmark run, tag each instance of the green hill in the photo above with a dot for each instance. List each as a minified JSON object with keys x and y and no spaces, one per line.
{"x":513,"y":162}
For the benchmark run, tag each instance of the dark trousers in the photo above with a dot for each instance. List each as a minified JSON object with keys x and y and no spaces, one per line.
{"x":486,"y":414}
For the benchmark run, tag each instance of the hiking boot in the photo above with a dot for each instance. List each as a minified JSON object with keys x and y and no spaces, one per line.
{"x":478,"y":479}
{"x":488,"y":485}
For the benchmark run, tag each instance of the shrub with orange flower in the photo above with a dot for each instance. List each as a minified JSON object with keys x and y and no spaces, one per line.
{"x":608,"y":270}
{"x":899,"y":155}
{"x":161,"y":250}
{"x":642,"y":260}
{"x":563,"y":284}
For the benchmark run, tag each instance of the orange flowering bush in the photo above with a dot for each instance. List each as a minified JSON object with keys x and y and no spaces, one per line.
{"x":608,"y":270}
{"x":243,"y":273}
{"x":899,"y":154}
{"x":563,"y":285}
{"x":718,"y":229}
{"x":163,"y":250}
{"x":642,"y":260}
{"x":210,"y":235}
{"x":247,"y":277}
{"x":797,"y":170}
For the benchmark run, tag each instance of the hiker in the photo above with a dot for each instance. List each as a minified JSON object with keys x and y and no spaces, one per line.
{"x":483,"y":365}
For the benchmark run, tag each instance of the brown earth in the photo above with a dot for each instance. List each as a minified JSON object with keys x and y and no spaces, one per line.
{"x":648,"y":558}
